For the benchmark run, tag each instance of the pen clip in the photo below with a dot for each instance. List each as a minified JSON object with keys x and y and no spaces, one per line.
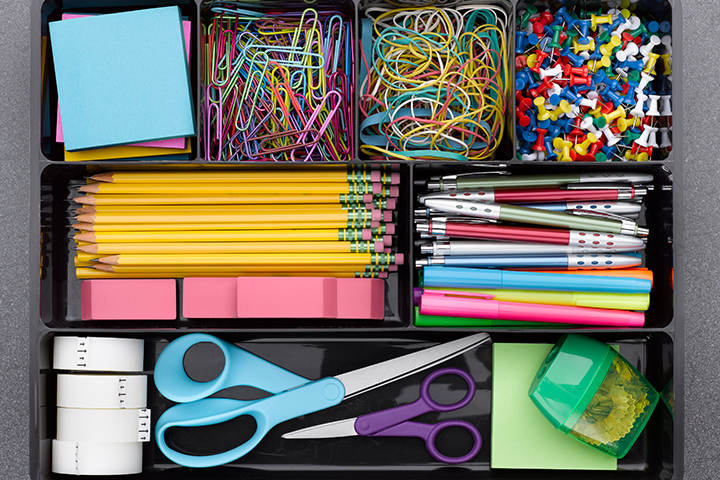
{"x":474,"y":174}
{"x":455,"y":293}
{"x":597,"y":186}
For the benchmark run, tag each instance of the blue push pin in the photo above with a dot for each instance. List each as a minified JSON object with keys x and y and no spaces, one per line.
{"x":618,"y":21}
{"x":653,"y":26}
{"x":576,"y":60}
{"x":519,"y":41}
{"x":583,"y":27}
{"x":609,"y":95}
{"x":568,"y":94}
{"x":665,"y":27}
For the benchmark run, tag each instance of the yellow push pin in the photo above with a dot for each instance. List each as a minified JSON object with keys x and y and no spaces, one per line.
{"x":563,"y":107}
{"x":596,"y":20}
{"x":622,"y":124}
{"x":667,"y":68}
{"x":596,"y":65}
{"x":563,"y":149}
{"x":543,"y":114}
{"x":619,"y":112}
{"x":607,"y":48}
{"x":582,"y":147}
{"x":579,"y":47}
{"x":650,"y":65}
{"x":629,"y":155}
{"x":531,"y":60}
{"x":642,"y":157}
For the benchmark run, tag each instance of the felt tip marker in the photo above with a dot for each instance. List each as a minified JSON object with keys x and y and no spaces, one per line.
{"x":551,"y":194}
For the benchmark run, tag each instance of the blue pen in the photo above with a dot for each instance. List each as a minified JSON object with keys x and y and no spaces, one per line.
{"x":625,"y":209}
{"x":583,"y":261}
{"x":451,"y":277}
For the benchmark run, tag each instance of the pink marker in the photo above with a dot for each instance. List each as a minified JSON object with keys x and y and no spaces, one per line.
{"x":462,"y":304}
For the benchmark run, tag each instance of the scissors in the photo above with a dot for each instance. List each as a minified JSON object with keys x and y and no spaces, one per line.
{"x":393,"y":422}
{"x":293,"y":395}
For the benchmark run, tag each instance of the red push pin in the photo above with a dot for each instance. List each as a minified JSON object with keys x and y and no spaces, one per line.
{"x":539,"y":145}
{"x":546,"y":83}
{"x":580,"y":81}
{"x":568,"y":70}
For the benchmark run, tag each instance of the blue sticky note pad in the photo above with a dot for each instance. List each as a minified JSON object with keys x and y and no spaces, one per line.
{"x":122,"y":78}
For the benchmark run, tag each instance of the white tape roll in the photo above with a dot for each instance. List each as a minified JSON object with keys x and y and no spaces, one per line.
{"x":103,"y":426}
{"x":101,"y":391}
{"x":101,"y":354}
{"x":87,"y":458}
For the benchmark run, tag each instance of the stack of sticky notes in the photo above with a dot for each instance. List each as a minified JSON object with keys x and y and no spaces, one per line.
{"x":123,"y":84}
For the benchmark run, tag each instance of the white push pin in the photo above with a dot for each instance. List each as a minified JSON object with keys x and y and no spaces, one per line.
{"x":621,"y":72}
{"x":530,"y":157}
{"x":653,"y":106}
{"x":667,"y":108}
{"x":645,"y":79}
{"x":612,"y":139}
{"x":646,"y":49}
{"x":665,"y":137}
{"x":550,"y":72}
{"x":667,"y":43}
{"x":621,"y":28}
{"x":638,"y":111}
{"x":592,"y":95}
{"x":630,"y":50}
{"x":652,"y":137}
{"x":587,"y":124}
{"x":554,"y":90}
{"x":574,"y":112}
{"x":586,"y":102}
{"x":642,"y":140}
{"x":540,"y":156}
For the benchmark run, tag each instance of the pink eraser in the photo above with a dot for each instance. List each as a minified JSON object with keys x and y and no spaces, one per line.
{"x":395,"y":178}
{"x":387,"y":240}
{"x":375,"y":176}
{"x":387,"y":216}
{"x":286,"y":297}
{"x":394,"y":191}
{"x":399,"y":258}
{"x":367,"y":198}
{"x":114,"y":299}
{"x":379,"y":247}
{"x":362,"y":298}
{"x":390,"y":228}
{"x":374,"y":224}
{"x":382,"y":274}
{"x":391,"y":203}
{"x":377,"y":187}
{"x":208,"y":297}
{"x":376,"y":215}
{"x":366,"y":234}
{"x":393,"y":268}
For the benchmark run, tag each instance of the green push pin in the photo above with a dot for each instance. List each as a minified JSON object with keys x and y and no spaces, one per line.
{"x":555,"y":42}
{"x":600,"y":157}
{"x":530,"y":11}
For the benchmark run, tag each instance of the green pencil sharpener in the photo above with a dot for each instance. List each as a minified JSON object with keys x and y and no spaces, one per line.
{"x":589,"y":391}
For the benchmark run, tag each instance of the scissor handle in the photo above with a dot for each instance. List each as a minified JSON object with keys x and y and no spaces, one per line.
{"x":267,"y":413}
{"x":372,"y":423}
{"x":241,"y":368}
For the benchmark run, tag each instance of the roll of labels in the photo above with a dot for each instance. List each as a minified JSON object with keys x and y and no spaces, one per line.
{"x":102,"y":421}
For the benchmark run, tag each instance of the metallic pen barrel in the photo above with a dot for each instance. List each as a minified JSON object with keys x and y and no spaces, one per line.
{"x":561,"y":262}
{"x":514,"y":181}
{"x":471,"y":247}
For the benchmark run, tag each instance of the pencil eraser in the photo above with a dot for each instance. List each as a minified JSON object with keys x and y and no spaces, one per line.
{"x":393,"y":268}
{"x":286,"y":297}
{"x":391,"y":203}
{"x":387,"y":216}
{"x":379,"y":247}
{"x":399,"y":259}
{"x":128,"y":299}
{"x":376,"y":215}
{"x":367,"y":198}
{"x":390,"y":228}
{"x":395,"y":178}
{"x":382,"y":274}
{"x":374,"y":224}
{"x":377,"y":187}
{"x":394,"y":191}
{"x":208,"y":297}
{"x":366,"y":234}
{"x":361,"y":298}
{"x":375,"y":176}
{"x":387,"y":240}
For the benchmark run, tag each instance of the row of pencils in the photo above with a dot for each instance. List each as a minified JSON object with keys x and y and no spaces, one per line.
{"x":511,"y":249}
{"x":336,"y":222}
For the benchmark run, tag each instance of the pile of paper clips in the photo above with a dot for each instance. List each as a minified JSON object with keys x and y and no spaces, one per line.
{"x":277,"y":85}
{"x":434,"y":82}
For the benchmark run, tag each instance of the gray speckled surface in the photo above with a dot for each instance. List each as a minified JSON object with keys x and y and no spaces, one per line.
{"x":701,"y":110}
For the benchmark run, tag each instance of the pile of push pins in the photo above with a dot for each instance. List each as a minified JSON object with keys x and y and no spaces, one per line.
{"x":592,"y":87}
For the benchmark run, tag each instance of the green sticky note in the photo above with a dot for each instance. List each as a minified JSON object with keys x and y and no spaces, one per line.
{"x":521,"y":436}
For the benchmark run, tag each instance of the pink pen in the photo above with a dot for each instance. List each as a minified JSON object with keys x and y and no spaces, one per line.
{"x":461,"y":304}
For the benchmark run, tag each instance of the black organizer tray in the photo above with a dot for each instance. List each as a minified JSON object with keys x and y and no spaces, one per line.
{"x":317,"y":348}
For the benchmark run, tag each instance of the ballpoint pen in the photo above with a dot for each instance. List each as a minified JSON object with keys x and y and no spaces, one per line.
{"x":578,"y":192}
{"x":472,"y":247}
{"x":462,"y":304}
{"x":513,"y":213}
{"x":593,"y":261}
{"x":576,"y":238}
{"x":464,"y":182}
{"x":453,"y":277}
{"x":625,"y":209}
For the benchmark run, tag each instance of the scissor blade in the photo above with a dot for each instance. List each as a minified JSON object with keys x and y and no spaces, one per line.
{"x":367,"y":378}
{"x":341,"y":428}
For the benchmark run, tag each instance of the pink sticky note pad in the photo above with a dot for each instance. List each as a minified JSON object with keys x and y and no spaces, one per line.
{"x":361,"y":298}
{"x":209,"y":297}
{"x":286,"y":297}
{"x":128,"y":299}
{"x":167,"y":143}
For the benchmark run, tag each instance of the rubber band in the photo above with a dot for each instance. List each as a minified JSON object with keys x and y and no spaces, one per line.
{"x":434,"y":82}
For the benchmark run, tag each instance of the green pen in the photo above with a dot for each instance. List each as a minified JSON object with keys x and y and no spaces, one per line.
{"x":533,"y":216}
{"x":442,"y":321}
{"x":472,"y":181}
{"x":615,"y":301}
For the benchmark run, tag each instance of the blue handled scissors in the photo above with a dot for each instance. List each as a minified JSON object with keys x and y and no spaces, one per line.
{"x":393,"y":422}
{"x":293,"y":395}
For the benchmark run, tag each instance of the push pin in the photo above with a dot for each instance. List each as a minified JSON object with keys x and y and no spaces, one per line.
{"x":543,"y":114}
{"x":645,"y":79}
{"x":645,"y":135}
{"x":647,"y":49}
{"x":563,"y":147}
{"x":618,"y":113}
{"x":652,"y":59}
{"x":667,"y":67}
{"x":582,"y":147}
{"x":638,"y":111}
{"x":667,"y":107}
{"x":608,"y":48}
{"x":630,"y":50}
{"x":653,"y":106}
{"x":667,"y":43}
{"x":540,"y":143}
{"x":563,"y":108}
{"x":596,"y":20}
{"x":664,"y":137}
{"x":550,"y":72}
{"x":611,"y":138}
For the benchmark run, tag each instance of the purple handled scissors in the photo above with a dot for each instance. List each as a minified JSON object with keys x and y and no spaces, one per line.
{"x":394,"y":422}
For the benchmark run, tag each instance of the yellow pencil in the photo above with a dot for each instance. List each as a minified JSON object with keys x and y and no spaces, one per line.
{"x":198,"y":188}
{"x":235,"y":217}
{"x":179,"y":199}
{"x":257,"y":261}
{"x":91,"y":273}
{"x":233,"y":247}
{"x":209,"y":227}
{"x":325,"y":175}
{"x":268,"y":235}
{"x":330,"y":207}
{"x":170,"y":269}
